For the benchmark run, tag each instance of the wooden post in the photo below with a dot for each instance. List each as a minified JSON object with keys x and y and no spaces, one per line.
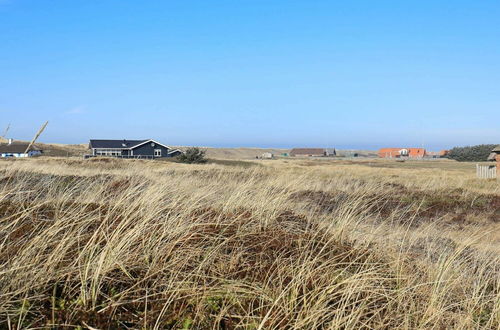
{"x":497,"y":158}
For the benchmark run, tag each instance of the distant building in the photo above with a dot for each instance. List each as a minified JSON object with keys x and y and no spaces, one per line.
{"x":330,"y":152}
{"x":391,"y":152}
{"x":436,"y":154}
{"x":132,"y":149}
{"x":267,"y":155}
{"x":402,"y":152}
{"x":18,"y":150}
{"x":312,"y":152}
{"x":443,"y":153}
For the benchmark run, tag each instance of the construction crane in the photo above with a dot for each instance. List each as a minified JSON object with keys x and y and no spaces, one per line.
{"x":6,"y":131}
{"x":36,"y":136}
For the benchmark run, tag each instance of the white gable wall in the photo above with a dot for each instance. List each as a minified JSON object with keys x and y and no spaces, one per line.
{"x":20,"y":155}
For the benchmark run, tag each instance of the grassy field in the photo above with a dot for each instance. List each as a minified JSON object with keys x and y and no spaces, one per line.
{"x":278,"y":244}
{"x":78,"y":150}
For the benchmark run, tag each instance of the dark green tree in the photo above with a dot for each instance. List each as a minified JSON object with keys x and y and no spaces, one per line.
{"x":478,"y":153}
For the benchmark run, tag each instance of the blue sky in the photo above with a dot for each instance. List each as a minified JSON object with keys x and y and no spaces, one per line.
{"x":348,"y":74}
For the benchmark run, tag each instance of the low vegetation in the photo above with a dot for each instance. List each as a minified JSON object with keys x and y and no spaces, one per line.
{"x":193,"y":156}
{"x":107,"y":243}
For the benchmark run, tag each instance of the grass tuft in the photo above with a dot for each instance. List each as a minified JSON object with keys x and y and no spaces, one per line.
{"x":141,"y":244}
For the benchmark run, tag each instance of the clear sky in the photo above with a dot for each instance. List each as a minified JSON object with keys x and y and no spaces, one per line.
{"x":263,"y":73}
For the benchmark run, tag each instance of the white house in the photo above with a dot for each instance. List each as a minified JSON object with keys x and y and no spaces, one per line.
{"x":14,"y":149}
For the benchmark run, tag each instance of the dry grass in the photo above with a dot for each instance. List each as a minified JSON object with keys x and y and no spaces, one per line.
{"x":138,"y":244}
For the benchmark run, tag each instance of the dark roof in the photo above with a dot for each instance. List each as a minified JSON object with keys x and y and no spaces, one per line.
{"x":16,"y":148}
{"x":114,"y":144}
{"x":307,"y":151}
{"x":497,"y":149}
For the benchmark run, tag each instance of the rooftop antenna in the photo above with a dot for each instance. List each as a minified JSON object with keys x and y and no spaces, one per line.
{"x":36,"y":136}
{"x":6,"y":131}
{"x":422,"y":132}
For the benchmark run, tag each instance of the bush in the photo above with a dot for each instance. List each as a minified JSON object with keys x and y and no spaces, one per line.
{"x":193,"y":156}
{"x":477,"y":153}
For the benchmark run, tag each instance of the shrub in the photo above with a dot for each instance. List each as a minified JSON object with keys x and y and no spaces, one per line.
{"x":193,"y":156}
{"x":477,"y":153}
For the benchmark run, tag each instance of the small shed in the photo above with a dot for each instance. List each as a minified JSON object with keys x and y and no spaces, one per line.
{"x":267,"y":155}
{"x":330,"y":152}
{"x":495,"y":156}
{"x":494,"y":153}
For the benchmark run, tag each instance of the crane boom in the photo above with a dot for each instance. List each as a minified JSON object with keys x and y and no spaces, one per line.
{"x":36,"y":136}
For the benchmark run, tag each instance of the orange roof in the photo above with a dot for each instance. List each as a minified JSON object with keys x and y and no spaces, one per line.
{"x":389,"y":152}
{"x":416,"y":152}
{"x":395,"y":152}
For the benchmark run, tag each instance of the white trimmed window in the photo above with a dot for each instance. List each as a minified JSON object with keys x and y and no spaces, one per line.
{"x":157,"y":152}
{"x":108,"y":152}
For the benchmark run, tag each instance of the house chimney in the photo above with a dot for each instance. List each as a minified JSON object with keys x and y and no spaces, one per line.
{"x":9,"y":141}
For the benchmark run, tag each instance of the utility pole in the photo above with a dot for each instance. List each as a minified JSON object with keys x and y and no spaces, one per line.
{"x":36,"y":136}
{"x":6,"y":131}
